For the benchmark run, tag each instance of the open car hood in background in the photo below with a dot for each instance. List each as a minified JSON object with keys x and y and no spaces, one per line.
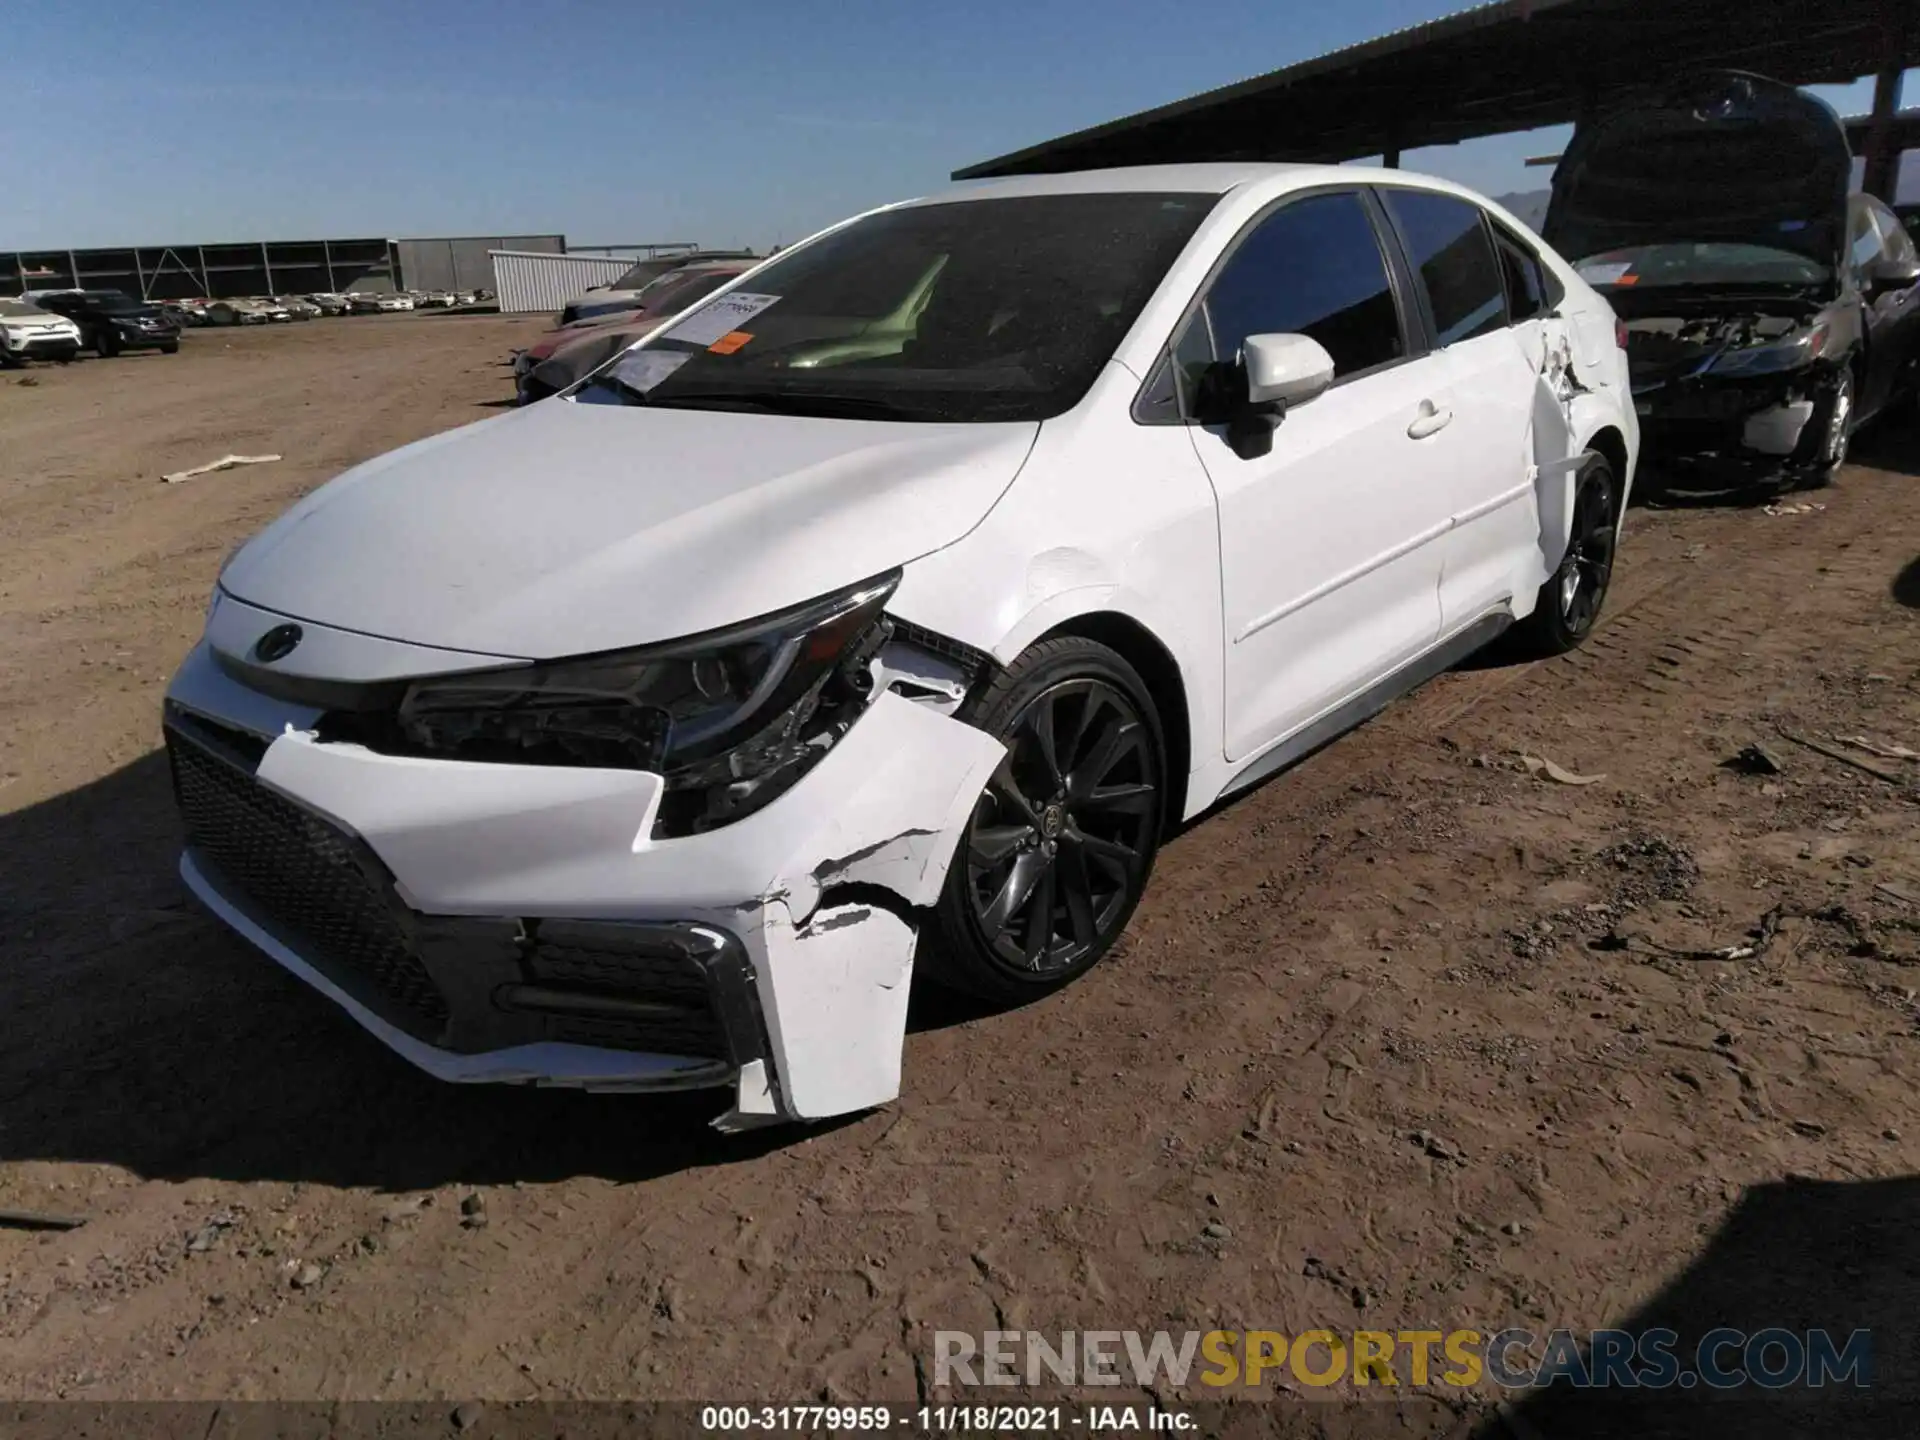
{"x":1724,"y":157}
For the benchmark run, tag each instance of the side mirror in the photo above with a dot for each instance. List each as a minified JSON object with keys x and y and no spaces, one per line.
{"x":1276,"y":371}
{"x":1887,"y":274}
{"x":1285,"y":369}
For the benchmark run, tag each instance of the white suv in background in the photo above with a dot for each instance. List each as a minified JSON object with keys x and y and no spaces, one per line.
{"x":888,"y":607}
{"x":29,"y":333}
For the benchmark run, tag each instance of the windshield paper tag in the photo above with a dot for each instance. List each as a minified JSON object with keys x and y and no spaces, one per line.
{"x":643,"y":369}
{"x":720,"y":317}
{"x":1602,"y":274}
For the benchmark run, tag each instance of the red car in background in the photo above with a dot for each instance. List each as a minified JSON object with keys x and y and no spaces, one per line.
{"x":573,"y":351}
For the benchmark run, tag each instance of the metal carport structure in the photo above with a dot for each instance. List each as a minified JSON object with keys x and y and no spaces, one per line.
{"x":1506,"y":66}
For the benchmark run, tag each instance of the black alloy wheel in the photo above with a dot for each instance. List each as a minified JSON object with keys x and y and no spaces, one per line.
{"x":1588,"y":567}
{"x":1062,"y":840}
{"x":1569,"y":603}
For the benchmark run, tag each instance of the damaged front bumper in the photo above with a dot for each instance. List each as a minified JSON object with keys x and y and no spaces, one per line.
{"x":1766,"y":421}
{"x":521,"y":923}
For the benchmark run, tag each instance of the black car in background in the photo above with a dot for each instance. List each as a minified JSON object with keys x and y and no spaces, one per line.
{"x":111,"y":321}
{"x":1768,"y":313}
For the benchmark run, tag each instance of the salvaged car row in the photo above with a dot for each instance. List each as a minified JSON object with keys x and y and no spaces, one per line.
{"x":880,"y":606}
{"x":57,"y":325}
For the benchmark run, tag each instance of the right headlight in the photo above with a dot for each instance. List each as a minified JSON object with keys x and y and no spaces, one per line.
{"x":1788,"y":352}
{"x":731,"y":719}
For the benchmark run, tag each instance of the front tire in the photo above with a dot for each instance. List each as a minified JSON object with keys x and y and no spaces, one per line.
{"x":106,"y":344}
{"x":1568,"y":605}
{"x":1835,"y":438}
{"x":1060,"y":844}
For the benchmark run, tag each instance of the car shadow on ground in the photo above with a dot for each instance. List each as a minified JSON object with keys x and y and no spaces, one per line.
{"x":1906,"y":585}
{"x":1891,"y":443}
{"x":142,"y":1034}
{"x":1797,"y":1255}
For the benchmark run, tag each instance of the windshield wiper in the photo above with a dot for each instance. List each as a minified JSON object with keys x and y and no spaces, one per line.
{"x":788,"y":402}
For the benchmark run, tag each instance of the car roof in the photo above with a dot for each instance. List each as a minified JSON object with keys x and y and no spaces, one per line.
{"x":1214,"y":178}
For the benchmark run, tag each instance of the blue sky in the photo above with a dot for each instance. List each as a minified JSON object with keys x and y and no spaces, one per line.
{"x":620,"y":121}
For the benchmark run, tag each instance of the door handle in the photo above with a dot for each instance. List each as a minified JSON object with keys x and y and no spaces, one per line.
{"x":1431,"y":420}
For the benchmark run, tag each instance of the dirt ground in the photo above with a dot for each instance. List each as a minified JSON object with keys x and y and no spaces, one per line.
{"x":1413,"y":1037}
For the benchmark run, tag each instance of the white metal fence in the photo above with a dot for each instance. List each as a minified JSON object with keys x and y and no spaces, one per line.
{"x":525,"y":280}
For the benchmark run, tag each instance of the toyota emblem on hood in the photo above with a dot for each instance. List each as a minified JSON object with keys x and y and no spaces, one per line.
{"x":277,"y":643}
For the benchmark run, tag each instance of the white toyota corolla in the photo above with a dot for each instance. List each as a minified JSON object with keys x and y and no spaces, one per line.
{"x":890,"y":605}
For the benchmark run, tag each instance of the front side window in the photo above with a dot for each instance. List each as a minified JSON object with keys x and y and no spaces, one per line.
{"x":970,"y":310}
{"x":1447,"y":243}
{"x":1314,"y":268}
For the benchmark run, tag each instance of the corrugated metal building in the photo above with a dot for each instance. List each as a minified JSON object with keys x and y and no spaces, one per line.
{"x":271,"y":267}
{"x":524,"y":281}
{"x":463,"y":262}
{"x":174,"y":272}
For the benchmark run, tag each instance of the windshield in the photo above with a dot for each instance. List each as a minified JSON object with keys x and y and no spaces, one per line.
{"x":677,"y":291}
{"x":645,"y":272}
{"x":1713,"y":262}
{"x":111,"y":302}
{"x":971,"y":310}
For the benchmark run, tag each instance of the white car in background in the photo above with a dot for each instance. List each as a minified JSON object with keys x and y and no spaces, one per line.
{"x":29,"y":333}
{"x":647,"y":738}
{"x":378,"y":303}
{"x":238,"y":312}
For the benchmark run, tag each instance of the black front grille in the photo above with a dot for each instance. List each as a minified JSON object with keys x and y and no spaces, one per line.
{"x":594,"y":960}
{"x":306,"y":881}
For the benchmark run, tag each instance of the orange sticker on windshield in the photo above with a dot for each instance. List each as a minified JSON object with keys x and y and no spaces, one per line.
{"x":729,"y":342}
{"x":1628,"y":280}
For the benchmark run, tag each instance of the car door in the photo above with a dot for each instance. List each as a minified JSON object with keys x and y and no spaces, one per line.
{"x":1483,"y":461}
{"x":1329,"y":574}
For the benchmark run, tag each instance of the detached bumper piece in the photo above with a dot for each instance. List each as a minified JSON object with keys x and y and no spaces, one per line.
{"x":462,"y":986}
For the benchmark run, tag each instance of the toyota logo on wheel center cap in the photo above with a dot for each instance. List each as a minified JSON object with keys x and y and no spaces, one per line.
{"x":277,"y":643}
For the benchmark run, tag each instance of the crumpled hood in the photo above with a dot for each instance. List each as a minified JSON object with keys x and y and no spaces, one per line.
{"x":1725,"y":156}
{"x":564,"y":529}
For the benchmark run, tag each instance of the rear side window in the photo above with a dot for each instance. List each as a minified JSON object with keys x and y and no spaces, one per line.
{"x":1314,"y":268}
{"x":1526,"y":279}
{"x":1447,"y":243}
